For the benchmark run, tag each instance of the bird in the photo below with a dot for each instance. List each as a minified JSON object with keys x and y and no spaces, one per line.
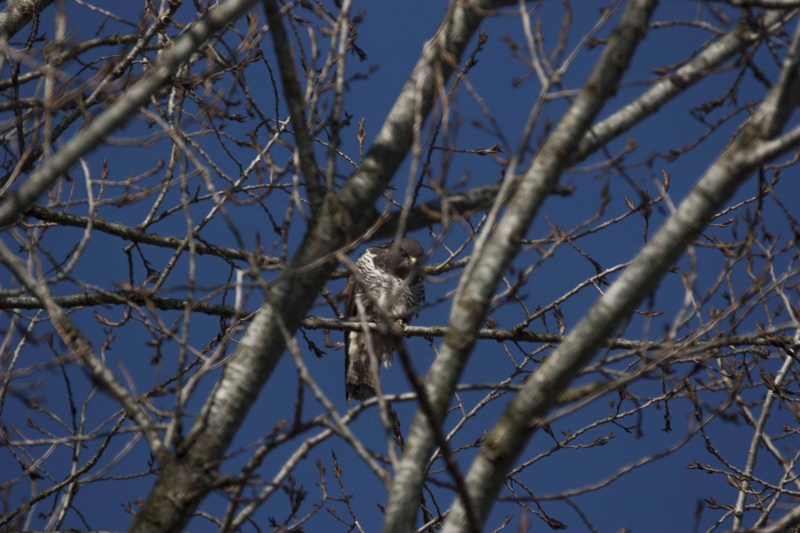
{"x":386,"y":286}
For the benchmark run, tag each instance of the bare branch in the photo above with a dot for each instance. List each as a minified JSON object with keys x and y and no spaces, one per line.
{"x":17,"y":201}
{"x":732,"y":167}
{"x":80,"y":346}
{"x":18,"y":13}
{"x":489,"y":262}
{"x":294,"y":97}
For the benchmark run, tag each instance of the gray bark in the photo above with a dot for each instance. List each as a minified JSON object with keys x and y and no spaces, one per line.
{"x":117,"y":115}
{"x":187,"y":478}
{"x":18,"y":13}
{"x":754,"y":146}
{"x":489,"y":262}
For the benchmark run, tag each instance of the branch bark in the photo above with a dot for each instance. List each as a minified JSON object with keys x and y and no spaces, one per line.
{"x":18,"y":13}
{"x":187,"y":478}
{"x":117,"y":115}
{"x":488,"y":264}
{"x":733,"y":167}
{"x":294,"y":98}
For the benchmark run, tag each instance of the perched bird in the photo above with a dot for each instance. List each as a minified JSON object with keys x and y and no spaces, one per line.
{"x":385,"y":279}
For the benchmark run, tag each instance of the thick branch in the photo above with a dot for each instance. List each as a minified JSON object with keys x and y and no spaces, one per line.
{"x":515,"y":427}
{"x":119,"y":112}
{"x":179,"y":490}
{"x":18,"y":13}
{"x":674,"y":84}
{"x":488,"y":264}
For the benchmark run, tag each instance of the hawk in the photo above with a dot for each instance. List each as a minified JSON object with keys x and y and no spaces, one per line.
{"x":385,"y":279}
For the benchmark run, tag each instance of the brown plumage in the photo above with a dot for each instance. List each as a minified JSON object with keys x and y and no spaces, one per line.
{"x":382,"y":271}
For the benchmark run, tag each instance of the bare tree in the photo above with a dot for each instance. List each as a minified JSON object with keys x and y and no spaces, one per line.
{"x":183,"y":188}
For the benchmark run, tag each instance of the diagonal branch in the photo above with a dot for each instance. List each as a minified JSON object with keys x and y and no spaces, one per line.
{"x":489,"y":263}
{"x":733,"y":167}
{"x":183,"y":484}
{"x":294,"y":98}
{"x":18,"y":13}
{"x":80,"y":346}
{"x":118,"y":113}
{"x":758,"y":435}
{"x":676,"y":83}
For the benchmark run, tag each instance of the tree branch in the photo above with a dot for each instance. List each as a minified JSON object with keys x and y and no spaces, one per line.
{"x":296,"y":102}
{"x":672,"y":85}
{"x":118,"y":113}
{"x":18,"y":13}
{"x":79,"y":345}
{"x":181,"y":486}
{"x":515,"y":427}
{"x":490,"y":261}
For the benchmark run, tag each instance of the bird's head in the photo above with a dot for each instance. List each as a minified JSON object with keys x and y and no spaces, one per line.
{"x":405,"y":254}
